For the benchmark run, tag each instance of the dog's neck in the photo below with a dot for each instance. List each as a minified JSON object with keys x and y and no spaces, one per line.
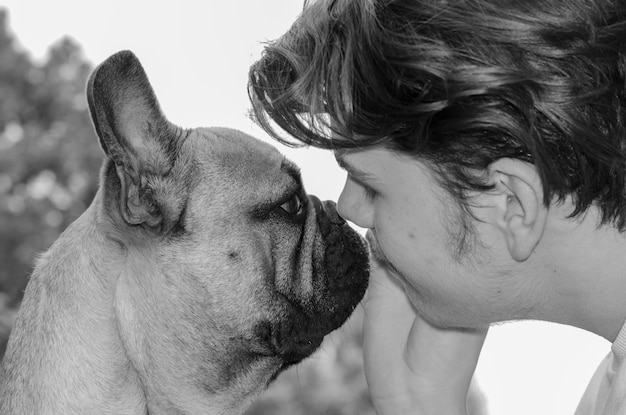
{"x":65,"y":354}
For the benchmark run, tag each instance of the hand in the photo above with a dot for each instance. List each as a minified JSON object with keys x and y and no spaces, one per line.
{"x":411,"y":366}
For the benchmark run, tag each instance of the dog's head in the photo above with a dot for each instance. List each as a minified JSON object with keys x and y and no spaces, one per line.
{"x":231,"y":272}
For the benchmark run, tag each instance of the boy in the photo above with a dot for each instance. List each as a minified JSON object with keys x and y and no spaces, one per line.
{"x":485,"y":146}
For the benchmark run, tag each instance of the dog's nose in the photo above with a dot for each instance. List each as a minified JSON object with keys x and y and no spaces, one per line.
{"x":326,"y":214}
{"x":317,"y":204}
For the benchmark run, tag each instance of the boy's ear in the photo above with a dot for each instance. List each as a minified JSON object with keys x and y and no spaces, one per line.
{"x":520,"y":211}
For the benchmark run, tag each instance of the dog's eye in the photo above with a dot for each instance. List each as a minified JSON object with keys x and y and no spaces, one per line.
{"x":293,"y":206}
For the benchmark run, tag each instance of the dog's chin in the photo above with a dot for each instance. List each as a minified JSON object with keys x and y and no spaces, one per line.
{"x":299,"y":333}
{"x":289,"y":340}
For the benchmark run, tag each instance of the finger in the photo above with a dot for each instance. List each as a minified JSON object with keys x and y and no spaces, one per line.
{"x":449,"y":356}
{"x":387,"y":309}
{"x":388,"y":320}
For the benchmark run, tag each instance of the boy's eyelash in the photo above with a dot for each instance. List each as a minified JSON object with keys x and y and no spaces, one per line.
{"x":370,"y":193}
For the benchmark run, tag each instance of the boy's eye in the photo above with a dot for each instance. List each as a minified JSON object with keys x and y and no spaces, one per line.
{"x":293,"y":206}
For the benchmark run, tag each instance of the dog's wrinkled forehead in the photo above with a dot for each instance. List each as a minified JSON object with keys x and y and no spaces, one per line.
{"x":228,"y":162}
{"x":247,"y":159}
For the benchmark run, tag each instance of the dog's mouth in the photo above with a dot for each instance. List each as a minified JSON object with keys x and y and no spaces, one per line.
{"x":290,"y":339}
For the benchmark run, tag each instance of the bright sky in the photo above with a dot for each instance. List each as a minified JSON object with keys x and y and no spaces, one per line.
{"x":197,"y":54}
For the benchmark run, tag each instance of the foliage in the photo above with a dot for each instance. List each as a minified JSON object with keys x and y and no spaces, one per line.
{"x":49,"y":163}
{"x":49,"y":155}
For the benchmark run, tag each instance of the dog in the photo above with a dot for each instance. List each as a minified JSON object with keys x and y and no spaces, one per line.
{"x":199,"y":273}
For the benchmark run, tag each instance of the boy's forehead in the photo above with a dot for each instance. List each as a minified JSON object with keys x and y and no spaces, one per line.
{"x":343,"y":156}
{"x":365,"y":154}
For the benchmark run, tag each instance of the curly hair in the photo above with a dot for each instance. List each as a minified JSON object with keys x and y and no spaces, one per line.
{"x":460,"y":84}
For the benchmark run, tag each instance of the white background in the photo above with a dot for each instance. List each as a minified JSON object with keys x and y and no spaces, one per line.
{"x":197,"y":55}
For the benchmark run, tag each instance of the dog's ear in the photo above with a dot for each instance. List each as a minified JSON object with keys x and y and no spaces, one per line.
{"x":134,"y":134}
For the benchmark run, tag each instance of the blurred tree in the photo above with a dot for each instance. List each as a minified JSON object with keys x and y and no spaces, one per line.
{"x":49,"y":154}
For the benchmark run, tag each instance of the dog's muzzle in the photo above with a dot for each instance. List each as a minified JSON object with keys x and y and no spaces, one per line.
{"x":340,"y":276}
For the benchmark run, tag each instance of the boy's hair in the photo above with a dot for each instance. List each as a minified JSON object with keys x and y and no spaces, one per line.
{"x":460,"y":84}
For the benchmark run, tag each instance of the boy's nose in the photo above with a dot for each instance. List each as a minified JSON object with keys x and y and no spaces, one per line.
{"x":353,"y":208}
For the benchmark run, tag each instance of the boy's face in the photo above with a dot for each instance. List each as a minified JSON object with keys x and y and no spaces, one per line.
{"x":454,"y":276}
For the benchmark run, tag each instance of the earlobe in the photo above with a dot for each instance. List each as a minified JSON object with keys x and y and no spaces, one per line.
{"x":521,"y":212}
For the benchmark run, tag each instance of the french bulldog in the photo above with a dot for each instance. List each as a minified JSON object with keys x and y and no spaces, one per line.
{"x":200,"y":271}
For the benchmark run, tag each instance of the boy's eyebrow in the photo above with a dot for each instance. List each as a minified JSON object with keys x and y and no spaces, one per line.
{"x":353,"y":171}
